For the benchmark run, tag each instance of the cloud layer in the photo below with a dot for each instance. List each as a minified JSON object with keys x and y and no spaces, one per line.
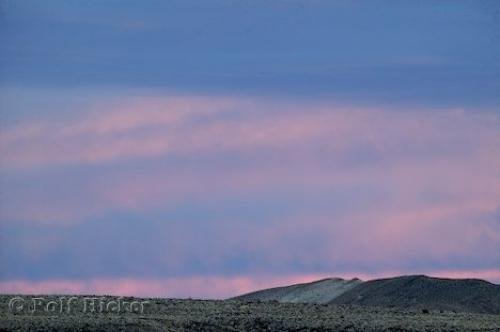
{"x":185,"y":188}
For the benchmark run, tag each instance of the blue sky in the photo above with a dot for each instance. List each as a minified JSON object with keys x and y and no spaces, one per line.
{"x":412,"y":51}
{"x":246,"y":143}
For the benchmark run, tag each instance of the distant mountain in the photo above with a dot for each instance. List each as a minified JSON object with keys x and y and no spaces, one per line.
{"x":321,"y":291}
{"x":405,"y":292}
{"x":470,"y":295}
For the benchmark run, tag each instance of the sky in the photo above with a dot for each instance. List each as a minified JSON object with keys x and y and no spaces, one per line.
{"x":209,"y":148}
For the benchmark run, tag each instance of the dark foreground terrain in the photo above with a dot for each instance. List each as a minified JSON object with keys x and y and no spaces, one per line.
{"x":52,"y":313}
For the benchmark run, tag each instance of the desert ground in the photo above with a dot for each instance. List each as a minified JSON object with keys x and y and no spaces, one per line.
{"x":223,"y":315}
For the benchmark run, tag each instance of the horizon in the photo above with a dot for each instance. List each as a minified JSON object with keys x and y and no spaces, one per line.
{"x":42,"y":291}
{"x":205,"y":150}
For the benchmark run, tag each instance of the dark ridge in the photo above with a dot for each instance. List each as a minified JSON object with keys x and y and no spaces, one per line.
{"x":423,"y":292}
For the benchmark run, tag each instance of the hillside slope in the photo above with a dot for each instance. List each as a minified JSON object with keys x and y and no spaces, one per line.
{"x":466,"y":295}
{"x":321,"y":291}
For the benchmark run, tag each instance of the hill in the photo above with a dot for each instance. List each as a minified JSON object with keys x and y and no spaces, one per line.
{"x":405,"y":292}
{"x":321,"y":291}
{"x":465,"y":295}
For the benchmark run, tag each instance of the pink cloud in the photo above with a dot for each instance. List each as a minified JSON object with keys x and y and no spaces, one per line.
{"x":106,"y":132}
{"x":153,"y":126}
{"x":452,"y":152}
{"x":421,"y":180}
